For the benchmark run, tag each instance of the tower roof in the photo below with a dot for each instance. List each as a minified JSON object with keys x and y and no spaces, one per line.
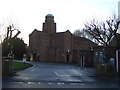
{"x":49,"y":15}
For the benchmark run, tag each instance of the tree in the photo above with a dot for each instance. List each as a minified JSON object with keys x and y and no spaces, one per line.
{"x":18,"y":47}
{"x":79,"y":33}
{"x":103,"y":32}
{"x":11,"y":41}
{"x":10,"y":30}
{"x":82,"y":33}
{"x":1,"y":33}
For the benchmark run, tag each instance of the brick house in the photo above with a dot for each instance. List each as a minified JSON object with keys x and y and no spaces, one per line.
{"x":51,"y":46}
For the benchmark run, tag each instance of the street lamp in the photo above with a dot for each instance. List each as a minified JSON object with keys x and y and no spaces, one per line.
{"x":118,"y":51}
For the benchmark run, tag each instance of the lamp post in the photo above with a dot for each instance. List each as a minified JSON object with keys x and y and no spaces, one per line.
{"x":118,"y":51}
{"x":0,"y":66}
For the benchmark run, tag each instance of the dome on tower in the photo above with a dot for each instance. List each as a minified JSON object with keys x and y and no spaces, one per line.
{"x":49,"y":15}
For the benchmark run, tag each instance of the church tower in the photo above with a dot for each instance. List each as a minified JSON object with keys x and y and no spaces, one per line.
{"x":49,"y":26}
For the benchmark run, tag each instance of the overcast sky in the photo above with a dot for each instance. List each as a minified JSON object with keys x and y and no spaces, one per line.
{"x":68,"y":14}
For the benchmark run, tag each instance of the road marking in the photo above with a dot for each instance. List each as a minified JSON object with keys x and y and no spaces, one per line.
{"x":56,"y":73}
{"x":39,"y":83}
{"x":29,"y":82}
{"x":73,"y":72}
{"x":67,"y":75}
{"x":59,"y":83}
{"x":74,"y":83}
{"x":49,"y":83}
{"x":62,"y":75}
{"x":62,"y":83}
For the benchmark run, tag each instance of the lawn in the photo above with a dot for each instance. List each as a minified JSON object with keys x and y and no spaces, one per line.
{"x":20,"y":65}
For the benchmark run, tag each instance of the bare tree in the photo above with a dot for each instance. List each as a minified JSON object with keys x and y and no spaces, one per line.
{"x":103,"y":32}
{"x":79,"y":33}
{"x":1,"y":33}
{"x":9,"y":36}
{"x":10,"y":30}
{"x":83,"y":33}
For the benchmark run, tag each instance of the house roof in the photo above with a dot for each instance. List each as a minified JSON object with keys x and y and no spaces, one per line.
{"x":79,"y":39}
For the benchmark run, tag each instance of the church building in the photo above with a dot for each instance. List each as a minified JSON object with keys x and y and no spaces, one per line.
{"x":51,"y":46}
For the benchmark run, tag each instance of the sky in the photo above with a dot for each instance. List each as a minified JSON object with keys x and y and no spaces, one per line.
{"x":28,"y":15}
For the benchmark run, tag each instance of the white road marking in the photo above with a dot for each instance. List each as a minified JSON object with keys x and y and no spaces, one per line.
{"x":32,"y":82}
{"x":62,"y":75}
{"x":39,"y":83}
{"x":66,"y":75}
{"x":62,"y":83}
{"x":59,"y":83}
{"x":56,"y":73}
{"x":72,"y":73}
{"x":29,"y":82}
{"x":49,"y":83}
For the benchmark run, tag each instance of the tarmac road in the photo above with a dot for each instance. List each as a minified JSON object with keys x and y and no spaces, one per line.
{"x":57,"y":75}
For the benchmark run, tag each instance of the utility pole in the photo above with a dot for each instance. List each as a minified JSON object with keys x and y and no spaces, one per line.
{"x":0,"y":66}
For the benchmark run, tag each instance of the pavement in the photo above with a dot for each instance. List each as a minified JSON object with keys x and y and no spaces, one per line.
{"x":58,"y":75}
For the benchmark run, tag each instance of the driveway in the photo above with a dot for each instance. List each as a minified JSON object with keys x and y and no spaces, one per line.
{"x":57,"y":75}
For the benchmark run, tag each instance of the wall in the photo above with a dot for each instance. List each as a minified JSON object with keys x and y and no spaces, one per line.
{"x":82,"y":51}
{"x":68,"y":46}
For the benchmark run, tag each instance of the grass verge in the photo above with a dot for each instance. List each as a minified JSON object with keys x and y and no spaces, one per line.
{"x":20,"y":66}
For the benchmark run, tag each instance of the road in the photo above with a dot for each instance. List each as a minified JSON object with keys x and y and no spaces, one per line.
{"x":57,"y":75}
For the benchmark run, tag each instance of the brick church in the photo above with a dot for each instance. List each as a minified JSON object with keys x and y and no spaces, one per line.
{"x":51,"y":46}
